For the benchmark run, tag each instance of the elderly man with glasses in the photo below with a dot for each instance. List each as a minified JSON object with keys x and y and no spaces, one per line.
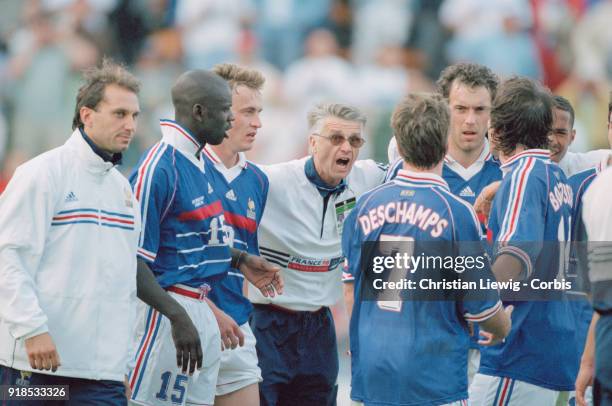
{"x":300,"y":231}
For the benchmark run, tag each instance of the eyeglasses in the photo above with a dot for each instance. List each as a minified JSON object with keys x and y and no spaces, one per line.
{"x":355,"y":141}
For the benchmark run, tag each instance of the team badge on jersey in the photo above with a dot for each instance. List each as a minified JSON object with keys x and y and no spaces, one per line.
{"x":343,"y":209}
{"x":251,"y":209}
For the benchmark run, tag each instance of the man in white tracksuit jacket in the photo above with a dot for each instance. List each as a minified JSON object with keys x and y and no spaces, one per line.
{"x":300,"y":231}
{"x":69,"y":228}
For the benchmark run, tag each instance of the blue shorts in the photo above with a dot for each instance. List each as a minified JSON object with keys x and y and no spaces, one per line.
{"x":297,"y":355}
{"x":81,"y":391}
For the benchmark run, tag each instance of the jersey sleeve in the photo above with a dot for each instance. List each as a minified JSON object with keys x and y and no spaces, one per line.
{"x":26,"y":212}
{"x":522,"y":220}
{"x":477,"y":305}
{"x":154,"y":187}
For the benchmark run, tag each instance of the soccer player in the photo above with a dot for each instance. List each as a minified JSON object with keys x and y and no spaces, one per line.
{"x":468,"y":165}
{"x":307,"y":203}
{"x":244,"y":189}
{"x":69,"y":228}
{"x":562,"y":136}
{"x":186,"y":244}
{"x":415,"y":352}
{"x":529,"y":221}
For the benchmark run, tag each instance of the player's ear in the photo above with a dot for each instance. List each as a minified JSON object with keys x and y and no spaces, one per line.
{"x":86,"y":114}
{"x":312,"y":144}
{"x":572,"y":135}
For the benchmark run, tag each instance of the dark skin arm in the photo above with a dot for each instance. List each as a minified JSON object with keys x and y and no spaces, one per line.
{"x":184,"y":333}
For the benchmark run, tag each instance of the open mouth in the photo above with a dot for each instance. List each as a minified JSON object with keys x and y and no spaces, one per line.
{"x":343,"y":162}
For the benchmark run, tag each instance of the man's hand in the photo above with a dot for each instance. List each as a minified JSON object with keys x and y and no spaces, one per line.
{"x":262,"y":274}
{"x":482,"y":205}
{"x":487,"y":338}
{"x":231,"y":335}
{"x":187,"y":343}
{"x":584,"y":380}
{"x":42,"y":353}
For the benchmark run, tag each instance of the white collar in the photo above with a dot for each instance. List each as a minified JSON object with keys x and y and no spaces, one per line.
{"x":93,"y":161}
{"x":180,"y":138}
{"x":420,"y":178}
{"x":473,"y":169}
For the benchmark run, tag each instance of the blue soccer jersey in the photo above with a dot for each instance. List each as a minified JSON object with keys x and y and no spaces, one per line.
{"x":468,"y":184}
{"x":183,"y":239}
{"x":530,"y":214}
{"x":462,"y":182}
{"x":244,"y":190}
{"x":412,"y":352}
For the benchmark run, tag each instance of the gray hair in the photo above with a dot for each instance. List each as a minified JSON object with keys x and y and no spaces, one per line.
{"x":323,"y":110}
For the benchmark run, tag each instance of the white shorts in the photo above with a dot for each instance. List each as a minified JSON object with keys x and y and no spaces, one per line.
{"x":239,"y":367}
{"x":457,"y":403}
{"x":155,"y":379}
{"x":473,"y":364}
{"x":494,"y":390}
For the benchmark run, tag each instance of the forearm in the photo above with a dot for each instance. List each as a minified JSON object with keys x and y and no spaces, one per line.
{"x":588,"y":355}
{"x":19,"y":306}
{"x":507,"y":267}
{"x":349,"y":299}
{"x":238,"y":257}
{"x":149,"y":291}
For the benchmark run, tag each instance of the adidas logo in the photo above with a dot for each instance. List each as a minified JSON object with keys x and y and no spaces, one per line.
{"x":210,"y":189}
{"x":231,"y":195}
{"x":71,"y":197}
{"x":467,"y":192}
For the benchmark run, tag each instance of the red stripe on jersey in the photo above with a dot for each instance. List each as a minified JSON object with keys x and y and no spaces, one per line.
{"x":202,"y":213}
{"x":517,"y":200}
{"x":239,"y":221}
{"x":143,"y":169}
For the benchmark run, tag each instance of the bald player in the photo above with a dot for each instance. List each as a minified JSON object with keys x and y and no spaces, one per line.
{"x":187,"y":246}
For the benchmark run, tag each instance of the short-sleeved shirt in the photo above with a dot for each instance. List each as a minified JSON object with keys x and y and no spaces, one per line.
{"x":184,"y":238}
{"x":419,"y":347}
{"x":530,"y":215}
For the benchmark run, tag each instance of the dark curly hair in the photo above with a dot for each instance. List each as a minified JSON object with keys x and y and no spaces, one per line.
{"x":521,"y":115}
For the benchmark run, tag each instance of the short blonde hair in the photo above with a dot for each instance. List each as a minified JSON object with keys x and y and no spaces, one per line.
{"x":240,"y":76}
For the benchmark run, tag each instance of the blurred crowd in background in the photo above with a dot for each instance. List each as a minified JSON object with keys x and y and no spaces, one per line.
{"x":368,"y":53}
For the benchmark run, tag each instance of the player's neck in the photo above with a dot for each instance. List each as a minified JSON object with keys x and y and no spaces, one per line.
{"x":464,"y":158}
{"x":228,"y":157}
{"x":436,"y":170}
{"x":503,"y":158}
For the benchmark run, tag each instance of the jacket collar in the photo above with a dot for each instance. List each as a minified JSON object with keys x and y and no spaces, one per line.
{"x":84,"y":151}
{"x":314,"y":178}
{"x":115,"y":159}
